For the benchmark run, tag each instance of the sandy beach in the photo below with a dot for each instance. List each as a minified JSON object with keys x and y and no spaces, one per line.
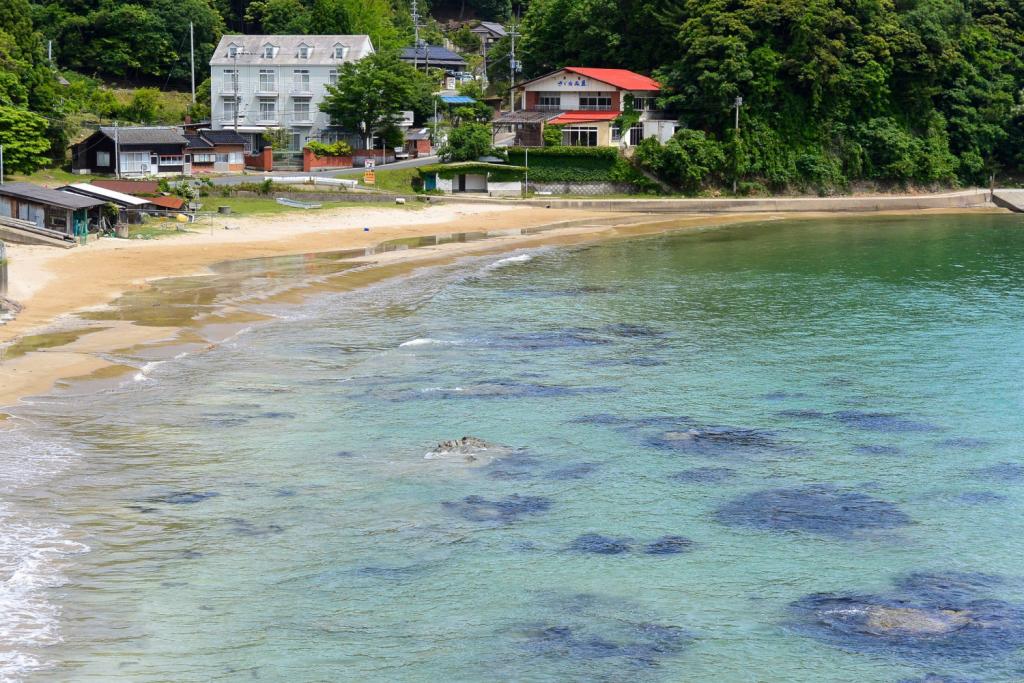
{"x":52,"y":284}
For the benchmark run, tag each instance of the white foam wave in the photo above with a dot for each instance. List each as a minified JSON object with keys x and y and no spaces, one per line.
{"x":509,"y":261}
{"x":429,"y":341}
{"x":33,"y":551}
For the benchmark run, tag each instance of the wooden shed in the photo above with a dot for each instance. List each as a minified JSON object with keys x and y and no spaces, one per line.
{"x":55,"y":210}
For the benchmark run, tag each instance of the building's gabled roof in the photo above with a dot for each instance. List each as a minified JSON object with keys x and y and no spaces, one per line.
{"x":322,"y":53}
{"x":583,"y":117}
{"x":620,"y":78}
{"x":104,"y":193}
{"x":222,"y":137}
{"x":133,"y":187}
{"x":144,"y":135}
{"x":432,"y":55}
{"x":492,"y":27}
{"x":197,"y":142}
{"x":623,"y":79}
{"x":44,"y":195}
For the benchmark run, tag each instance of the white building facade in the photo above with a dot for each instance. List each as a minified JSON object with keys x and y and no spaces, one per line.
{"x":264,"y":82}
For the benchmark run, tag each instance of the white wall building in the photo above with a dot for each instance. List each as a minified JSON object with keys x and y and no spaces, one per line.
{"x":263,"y":82}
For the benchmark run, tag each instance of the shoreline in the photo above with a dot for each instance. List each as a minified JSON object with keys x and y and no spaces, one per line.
{"x":49,"y":303}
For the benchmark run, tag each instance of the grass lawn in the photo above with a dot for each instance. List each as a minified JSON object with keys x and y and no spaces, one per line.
{"x":397,"y":180}
{"x":51,"y":177}
{"x":264,"y":206}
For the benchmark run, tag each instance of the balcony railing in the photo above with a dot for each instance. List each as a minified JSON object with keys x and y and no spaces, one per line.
{"x":595,"y":107}
{"x":549,"y":107}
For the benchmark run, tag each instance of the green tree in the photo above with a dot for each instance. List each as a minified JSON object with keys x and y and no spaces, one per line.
{"x":371,"y":93}
{"x":467,"y":142}
{"x":24,"y":138}
{"x":144,"y":106}
{"x":280,"y":16}
{"x":686,"y":161}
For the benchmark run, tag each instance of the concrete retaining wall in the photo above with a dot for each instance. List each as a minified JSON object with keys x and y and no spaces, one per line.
{"x":583,"y":188}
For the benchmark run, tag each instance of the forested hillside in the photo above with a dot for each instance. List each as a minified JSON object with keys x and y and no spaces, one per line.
{"x":916,"y":91}
{"x":921,"y":92}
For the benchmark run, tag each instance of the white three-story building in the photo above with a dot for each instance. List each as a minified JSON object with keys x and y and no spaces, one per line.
{"x":265,"y":82}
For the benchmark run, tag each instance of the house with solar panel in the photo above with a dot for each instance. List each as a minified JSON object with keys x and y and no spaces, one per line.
{"x":585,"y":102}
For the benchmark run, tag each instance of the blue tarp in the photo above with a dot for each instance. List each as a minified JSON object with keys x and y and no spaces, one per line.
{"x":457,"y":99}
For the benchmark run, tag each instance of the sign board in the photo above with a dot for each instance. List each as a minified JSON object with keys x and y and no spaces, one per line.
{"x":369,"y":178}
{"x":369,"y":163}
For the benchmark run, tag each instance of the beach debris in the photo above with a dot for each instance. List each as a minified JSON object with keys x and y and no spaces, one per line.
{"x":508,"y":509}
{"x":400,"y":200}
{"x":818,"y":509}
{"x":929,"y":617}
{"x":704,"y":475}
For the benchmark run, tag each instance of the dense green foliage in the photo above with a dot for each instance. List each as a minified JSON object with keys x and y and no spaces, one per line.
{"x":905,"y":92}
{"x":567,"y":164}
{"x":496,"y":172}
{"x":467,"y":142}
{"x":23,"y":136}
{"x":686,"y":161}
{"x":335,"y":149}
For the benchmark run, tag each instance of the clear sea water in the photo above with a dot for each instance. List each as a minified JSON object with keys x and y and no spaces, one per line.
{"x":814,"y":406}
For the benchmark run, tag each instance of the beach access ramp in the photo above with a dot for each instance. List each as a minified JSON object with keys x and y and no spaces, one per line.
{"x":1009,"y":199}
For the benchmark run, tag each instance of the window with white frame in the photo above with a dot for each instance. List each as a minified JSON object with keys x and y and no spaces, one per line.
{"x":268,"y":109}
{"x":305,"y":51}
{"x":579,"y":136}
{"x":549,"y":100}
{"x":233,"y":51}
{"x":230,"y":107}
{"x":172,"y":160}
{"x":616,"y":133}
{"x":645,"y":103}
{"x":267,"y":81}
{"x":596,"y":102}
{"x":300,"y":109}
{"x":332,"y":77}
{"x":231,"y":80}
{"x":204,"y":158}
{"x":300,"y":80}
{"x":269,"y":51}
{"x":102,"y":158}
{"x":340,"y":51}
{"x":636,"y":134}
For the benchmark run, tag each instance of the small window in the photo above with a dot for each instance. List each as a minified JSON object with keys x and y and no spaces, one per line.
{"x":340,"y":51}
{"x":171,"y":160}
{"x":332,"y":77}
{"x":304,"y":51}
{"x":269,"y":51}
{"x":103,"y":158}
{"x":232,"y":51}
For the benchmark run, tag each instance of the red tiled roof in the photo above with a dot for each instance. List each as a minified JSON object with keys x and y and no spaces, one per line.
{"x":172,"y":203}
{"x":583,"y":117}
{"x":129,"y":186}
{"x":620,"y":78}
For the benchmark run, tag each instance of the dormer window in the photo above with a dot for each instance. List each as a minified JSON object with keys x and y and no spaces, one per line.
{"x":233,"y":51}
{"x":305,"y":51}
{"x":340,"y":51}
{"x":269,"y":51}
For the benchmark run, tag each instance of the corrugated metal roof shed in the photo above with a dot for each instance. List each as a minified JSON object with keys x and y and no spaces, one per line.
{"x":44,"y":195}
{"x":104,"y":193}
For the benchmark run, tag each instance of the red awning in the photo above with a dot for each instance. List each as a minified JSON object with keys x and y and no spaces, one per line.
{"x":583,"y":117}
{"x":172,"y":203}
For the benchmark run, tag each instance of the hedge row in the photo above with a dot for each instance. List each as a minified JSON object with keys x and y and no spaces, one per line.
{"x":569,"y":164}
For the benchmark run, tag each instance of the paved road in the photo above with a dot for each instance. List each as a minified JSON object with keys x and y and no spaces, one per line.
{"x":327,"y":172}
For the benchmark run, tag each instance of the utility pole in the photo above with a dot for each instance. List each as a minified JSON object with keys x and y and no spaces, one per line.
{"x":484,"y":79}
{"x":736,"y":142}
{"x":514,"y":67}
{"x":192,"y":59}
{"x":117,"y":153}
{"x":234,"y":76}
{"x":416,"y":34}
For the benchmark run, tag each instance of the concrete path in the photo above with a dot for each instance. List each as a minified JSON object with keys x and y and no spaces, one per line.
{"x":1009,"y":199}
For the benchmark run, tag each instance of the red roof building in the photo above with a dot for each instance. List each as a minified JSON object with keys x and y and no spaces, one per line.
{"x":585,"y":102}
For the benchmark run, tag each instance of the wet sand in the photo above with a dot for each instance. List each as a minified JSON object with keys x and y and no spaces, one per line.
{"x":47,"y":342}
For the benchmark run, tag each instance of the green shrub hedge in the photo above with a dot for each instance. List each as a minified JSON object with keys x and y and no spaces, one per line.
{"x":569,"y":164}
{"x":496,"y":172}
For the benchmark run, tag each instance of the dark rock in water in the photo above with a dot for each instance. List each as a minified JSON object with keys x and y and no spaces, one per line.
{"x":635,"y":361}
{"x":882,"y":422}
{"x":392,"y":573}
{"x":964,"y":442}
{"x":931,"y":617}
{"x":980,"y":497}
{"x":277,"y":415}
{"x":508,"y":509}
{"x":801,"y":413}
{"x":185,"y":497}
{"x":577,"y":471}
{"x":714,"y":440}
{"x":1004,"y":471}
{"x":344,"y":454}
{"x":244,"y":527}
{"x":601,"y":545}
{"x":818,"y":509}
{"x":704,"y":475}
{"x":192,"y":554}
{"x":637,"y":644}
{"x":285,"y":493}
{"x":511,"y":466}
{"x":935,"y":678}
{"x":877,"y":450}
{"x":668,"y":545}
{"x":781,"y":396}
{"x":540,"y":341}
{"x":599,"y":419}
{"x":632,"y":330}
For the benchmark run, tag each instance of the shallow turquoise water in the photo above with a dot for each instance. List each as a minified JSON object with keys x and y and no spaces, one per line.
{"x":876,"y":358}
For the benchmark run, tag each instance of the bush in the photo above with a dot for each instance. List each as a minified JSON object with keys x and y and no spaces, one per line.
{"x":686,"y":161}
{"x":552,"y":136}
{"x":336,"y":149}
{"x":568,"y":164}
{"x":467,"y":142}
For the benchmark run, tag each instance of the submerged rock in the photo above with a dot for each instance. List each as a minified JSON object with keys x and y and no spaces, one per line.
{"x":1004,"y":471}
{"x":882,"y":422}
{"x":668,"y":545}
{"x":467,"y":445}
{"x":877,"y":450}
{"x":184,"y":497}
{"x":601,"y":545}
{"x":714,"y":440}
{"x":508,"y":509}
{"x":930,"y":617}
{"x":964,"y":442}
{"x":818,"y":509}
{"x":578,"y":471}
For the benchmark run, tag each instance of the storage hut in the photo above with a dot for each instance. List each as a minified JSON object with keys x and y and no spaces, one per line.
{"x":495,"y":180}
{"x":129,"y":208}
{"x":64,"y":212}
